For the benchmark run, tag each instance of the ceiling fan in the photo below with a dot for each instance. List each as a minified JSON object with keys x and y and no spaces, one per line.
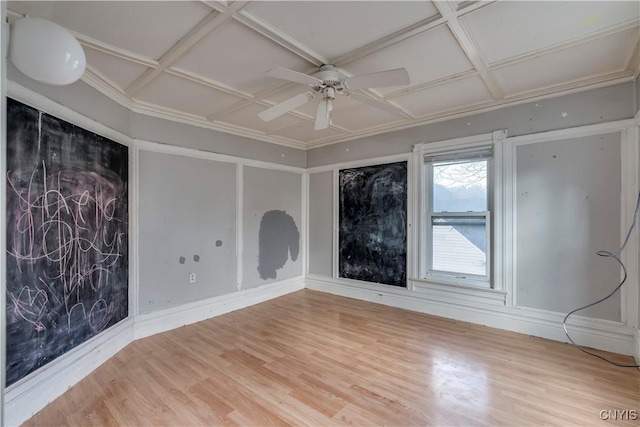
{"x":327,"y":83}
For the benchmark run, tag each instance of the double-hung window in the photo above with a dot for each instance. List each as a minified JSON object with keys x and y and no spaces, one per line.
{"x":457,"y":215}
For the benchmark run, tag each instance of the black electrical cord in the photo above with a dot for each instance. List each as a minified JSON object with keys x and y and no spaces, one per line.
{"x":615,"y":256}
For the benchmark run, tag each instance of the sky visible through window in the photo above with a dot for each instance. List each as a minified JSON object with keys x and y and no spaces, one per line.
{"x":460,"y":186}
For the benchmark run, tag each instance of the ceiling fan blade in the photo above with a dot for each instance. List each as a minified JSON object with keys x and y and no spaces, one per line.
{"x":397,"y":77}
{"x":285,"y":106}
{"x":293,"y":76}
{"x":322,"y":115}
{"x":374,"y":103}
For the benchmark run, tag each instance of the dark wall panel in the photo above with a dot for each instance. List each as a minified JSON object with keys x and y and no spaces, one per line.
{"x":373,"y":224}
{"x":67,"y":237}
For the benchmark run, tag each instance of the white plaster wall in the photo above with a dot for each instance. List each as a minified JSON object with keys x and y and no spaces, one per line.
{"x":186,"y":225}
{"x":567,"y":209}
{"x":268,"y":190}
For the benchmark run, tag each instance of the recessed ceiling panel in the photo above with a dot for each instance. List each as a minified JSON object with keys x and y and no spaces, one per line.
{"x":444,"y":97}
{"x":238,"y":57}
{"x":428,"y":56}
{"x":333,"y":28}
{"x":363,"y":117}
{"x":509,"y":28}
{"x":146,"y":28}
{"x":119,"y":71}
{"x":247,"y":117}
{"x":306,"y":133}
{"x":604,"y":55}
{"x":183,"y":95}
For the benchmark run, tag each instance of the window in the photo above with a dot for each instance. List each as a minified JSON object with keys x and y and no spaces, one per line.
{"x":457,"y":217}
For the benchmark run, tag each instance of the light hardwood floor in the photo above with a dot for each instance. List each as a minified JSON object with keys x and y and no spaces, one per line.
{"x":311,"y":358}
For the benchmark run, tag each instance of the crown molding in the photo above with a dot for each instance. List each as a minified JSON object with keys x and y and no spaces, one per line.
{"x":633,"y":62}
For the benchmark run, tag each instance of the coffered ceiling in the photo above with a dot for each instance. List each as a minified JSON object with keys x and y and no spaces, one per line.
{"x":204,"y":62}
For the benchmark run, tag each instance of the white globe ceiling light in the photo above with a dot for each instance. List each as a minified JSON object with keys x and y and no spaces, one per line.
{"x":46,"y":52}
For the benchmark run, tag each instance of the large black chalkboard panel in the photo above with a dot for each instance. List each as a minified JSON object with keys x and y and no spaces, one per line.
{"x":67,"y":239}
{"x":373,"y":224}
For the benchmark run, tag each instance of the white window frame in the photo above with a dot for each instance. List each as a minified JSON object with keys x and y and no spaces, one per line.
{"x":423,"y":271}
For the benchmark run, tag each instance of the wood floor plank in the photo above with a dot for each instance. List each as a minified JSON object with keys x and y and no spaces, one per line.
{"x":310,"y":358}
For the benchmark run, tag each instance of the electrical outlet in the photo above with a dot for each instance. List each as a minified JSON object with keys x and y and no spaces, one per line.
{"x":192,"y":278}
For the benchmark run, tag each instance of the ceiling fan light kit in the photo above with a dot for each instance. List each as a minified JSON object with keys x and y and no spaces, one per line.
{"x":328,"y":82}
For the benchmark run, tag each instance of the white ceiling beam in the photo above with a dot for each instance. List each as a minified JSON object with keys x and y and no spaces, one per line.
{"x":228,"y":110}
{"x":196,"y":78}
{"x":274,"y":89}
{"x":431,"y":84}
{"x":371,"y":94}
{"x":193,"y":37}
{"x":220,"y":5}
{"x":564,"y":45}
{"x":280,"y":38}
{"x":470,"y":6}
{"x":403,"y":34}
{"x":114,"y":51}
{"x":449,"y":13}
{"x":391,"y":39}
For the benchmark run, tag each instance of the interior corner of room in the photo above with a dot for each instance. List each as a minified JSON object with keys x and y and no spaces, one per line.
{"x":148,"y":196}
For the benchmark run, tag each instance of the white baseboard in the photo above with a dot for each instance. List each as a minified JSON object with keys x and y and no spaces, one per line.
{"x":594,"y":333}
{"x":26,"y":397}
{"x":163,"y":320}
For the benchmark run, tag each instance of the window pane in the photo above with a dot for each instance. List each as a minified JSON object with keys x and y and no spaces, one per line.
{"x":459,"y":245}
{"x":460,"y":186}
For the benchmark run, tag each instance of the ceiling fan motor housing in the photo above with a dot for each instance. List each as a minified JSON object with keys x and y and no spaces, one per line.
{"x":329,"y":75}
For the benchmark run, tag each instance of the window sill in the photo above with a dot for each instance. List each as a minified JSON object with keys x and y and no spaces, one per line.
{"x":456,"y":291}
{"x":472,"y":282}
